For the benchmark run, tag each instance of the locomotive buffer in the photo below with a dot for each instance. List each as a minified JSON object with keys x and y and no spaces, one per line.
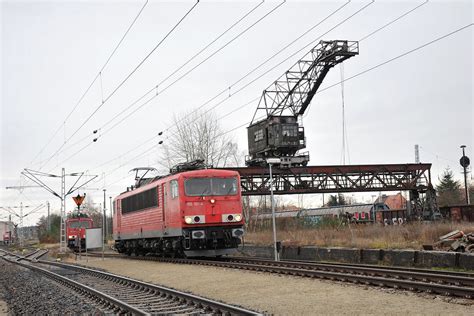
{"x":279,"y":134}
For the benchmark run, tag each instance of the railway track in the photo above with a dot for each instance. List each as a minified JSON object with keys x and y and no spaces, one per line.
{"x":117,"y":294}
{"x":447,"y":283}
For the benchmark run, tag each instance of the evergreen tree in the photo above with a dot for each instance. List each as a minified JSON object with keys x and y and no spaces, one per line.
{"x":336,"y":200}
{"x":448,"y":189}
{"x":52,"y":235}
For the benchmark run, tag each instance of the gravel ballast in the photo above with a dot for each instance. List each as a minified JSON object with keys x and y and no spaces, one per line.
{"x":28,"y":293}
{"x":283,"y":295}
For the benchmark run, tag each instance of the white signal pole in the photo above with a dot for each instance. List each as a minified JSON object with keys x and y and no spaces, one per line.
{"x":271,"y":161}
{"x":62,"y":238}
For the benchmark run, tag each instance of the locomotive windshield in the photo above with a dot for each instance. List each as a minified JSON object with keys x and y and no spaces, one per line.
{"x":210,"y":186}
{"x":79,"y":224}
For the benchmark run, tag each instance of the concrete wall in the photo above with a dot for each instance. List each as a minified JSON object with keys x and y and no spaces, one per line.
{"x":395,"y":257}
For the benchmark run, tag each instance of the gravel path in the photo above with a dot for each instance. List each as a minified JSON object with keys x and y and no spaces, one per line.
{"x":30,"y":294}
{"x":284,"y":295}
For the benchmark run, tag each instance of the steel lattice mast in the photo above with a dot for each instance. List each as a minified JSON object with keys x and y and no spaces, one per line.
{"x":34,"y":176}
{"x":292,"y":93}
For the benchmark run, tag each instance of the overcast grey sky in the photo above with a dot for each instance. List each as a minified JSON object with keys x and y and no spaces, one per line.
{"x":52,"y":50}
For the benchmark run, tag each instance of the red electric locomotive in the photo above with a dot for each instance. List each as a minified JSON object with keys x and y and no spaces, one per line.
{"x":76,"y":231}
{"x":191,"y":213}
{"x":6,"y":238}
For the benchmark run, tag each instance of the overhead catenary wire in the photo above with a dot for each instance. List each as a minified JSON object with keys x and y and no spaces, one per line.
{"x":124,"y":80}
{"x":134,"y":158}
{"x":383,"y":63}
{"x":400,"y":56}
{"x":155,"y":87}
{"x":196,"y":66}
{"x":362,"y":38}
{"x":268,"y":59}
{"x":379,"y":65}
{"x":174,"y":82}
{"x":312,"y":42}
{"x":263,"y":63}
{"x":289,"y":57}
{"x":393,"y":21}
{"x":92,"y":82}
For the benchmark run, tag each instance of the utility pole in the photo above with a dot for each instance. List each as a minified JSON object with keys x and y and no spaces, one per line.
{"x":105,"y":219}
{"x":49,"y":218}
{"x":34,"y":176}
{"x":20,"y":233}
{"x":111,"y":213}
{"x":464,"y":161}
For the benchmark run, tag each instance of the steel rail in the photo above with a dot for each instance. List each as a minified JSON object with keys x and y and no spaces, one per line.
{"x":386,"y":277}
{"x":207,"y":305}
{"x":104,"y":299}
{"x":420,"y":270}
{"x":469,"y":277}
{"x":461,"y":291}
{"x":412,"y":274}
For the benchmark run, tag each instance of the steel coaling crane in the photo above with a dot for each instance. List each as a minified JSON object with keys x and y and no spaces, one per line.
{"x":279,"y":134}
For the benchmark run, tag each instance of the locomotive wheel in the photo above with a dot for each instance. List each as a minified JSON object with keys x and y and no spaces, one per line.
{"x":470,"y":248}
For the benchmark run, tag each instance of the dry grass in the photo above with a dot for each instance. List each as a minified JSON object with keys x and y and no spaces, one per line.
{"x":408,"y":236}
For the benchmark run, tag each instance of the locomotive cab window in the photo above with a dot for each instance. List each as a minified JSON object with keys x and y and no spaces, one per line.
{"x":174,"y":188}
{"x":210,"y":186}
{"x":79,"y":225}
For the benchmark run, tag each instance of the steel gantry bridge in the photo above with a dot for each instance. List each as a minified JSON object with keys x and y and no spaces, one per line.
{"x":414,"y":178}
{"x":332,"y":179}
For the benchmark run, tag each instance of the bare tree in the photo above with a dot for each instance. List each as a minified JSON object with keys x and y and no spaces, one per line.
{"x":198,"y":135}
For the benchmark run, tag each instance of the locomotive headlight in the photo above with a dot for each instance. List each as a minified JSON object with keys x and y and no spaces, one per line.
{"x":212,"y":201}
{"x":231,"y":218}
{"x":195,"y":219}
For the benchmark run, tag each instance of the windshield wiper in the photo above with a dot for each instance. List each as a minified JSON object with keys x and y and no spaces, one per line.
{"x":204,"y":192}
